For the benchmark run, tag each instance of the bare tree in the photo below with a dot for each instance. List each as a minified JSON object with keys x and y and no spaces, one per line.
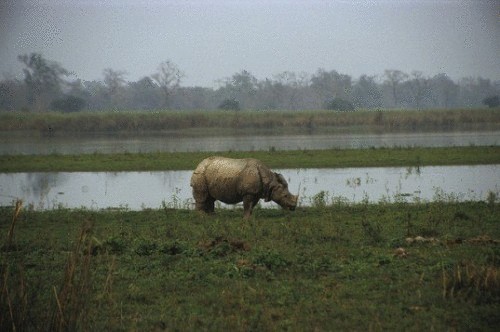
{"x":115,"y":82}
{"x":168,"y":79}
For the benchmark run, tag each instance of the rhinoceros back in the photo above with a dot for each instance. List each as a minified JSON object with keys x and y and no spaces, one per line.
{"x":225,"y":168}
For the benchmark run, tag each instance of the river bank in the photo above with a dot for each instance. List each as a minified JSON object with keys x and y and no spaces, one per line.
{"x":274,"y":159}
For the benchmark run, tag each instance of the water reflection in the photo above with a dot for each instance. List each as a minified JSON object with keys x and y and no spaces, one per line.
{"x":110,"y":144}
{"x":40,"y":185}
{"x":139,"y":190}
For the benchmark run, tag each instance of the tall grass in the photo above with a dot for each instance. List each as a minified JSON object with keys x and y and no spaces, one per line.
{"x":72,"y":298}
{"x":15,"y":216}
{"x":24,"y":307}
{"x":407,"y":120}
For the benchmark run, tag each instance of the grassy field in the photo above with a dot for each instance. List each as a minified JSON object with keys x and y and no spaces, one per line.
{"x":192,"y":122}
{"x":274,"y":159}
{"x":432,"y":266}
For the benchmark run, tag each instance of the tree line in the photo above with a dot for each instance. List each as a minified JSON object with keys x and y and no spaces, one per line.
{"x":48,"y":86}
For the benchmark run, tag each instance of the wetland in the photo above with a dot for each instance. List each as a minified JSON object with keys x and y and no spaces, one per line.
{"x":395,"y":231}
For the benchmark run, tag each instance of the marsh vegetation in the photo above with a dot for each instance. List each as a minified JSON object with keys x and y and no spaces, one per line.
{"x":280,"y":122}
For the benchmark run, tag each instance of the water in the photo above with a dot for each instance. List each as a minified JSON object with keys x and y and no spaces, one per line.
{"x":110,"y":144}
{"x":139,"y":190}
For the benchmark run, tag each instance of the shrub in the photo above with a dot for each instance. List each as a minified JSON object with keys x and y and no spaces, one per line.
{"x":114,"y":245}
{"x":230,"y":105}
{"x":271,"y":259}
{"x":68,"y":104}
{"x":146,"y":248}
{"x":338,"y":104}
{"x":491,"y":102}
{"x":320,"y":199}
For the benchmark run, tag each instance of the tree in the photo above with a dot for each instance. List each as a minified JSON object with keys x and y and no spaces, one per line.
{"x":194,"y":98}
{"x":168,"y":79}
{"x":12,"y":94}
{"x":366,"y":92}
{"x":393,"y":81}
{"x":444,"y":91}
{"x":485,"y":89}
{"x":244,"y":82}
{"x":144,"y":94}
{"x":43,"y":79}
{"x":114,"y":81}
{"x":77,"y":88}
{"x":243,"y":87}
{"x":288,"y":88}
{"x":419,"y":88}
{"x":492,"y":102}
{"x":329,"y":85}
{"x":98,"y":95}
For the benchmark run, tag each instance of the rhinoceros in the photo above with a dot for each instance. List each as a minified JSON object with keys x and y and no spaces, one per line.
{"x":233,"y":181}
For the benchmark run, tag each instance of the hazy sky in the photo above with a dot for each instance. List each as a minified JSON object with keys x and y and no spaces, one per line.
{"x":210,"y":40}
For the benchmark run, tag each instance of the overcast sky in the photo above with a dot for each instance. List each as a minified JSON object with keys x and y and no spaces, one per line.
{"x":210,"y":40}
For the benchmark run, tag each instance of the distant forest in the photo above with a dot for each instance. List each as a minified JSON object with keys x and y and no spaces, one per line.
{"x":48,"y":86}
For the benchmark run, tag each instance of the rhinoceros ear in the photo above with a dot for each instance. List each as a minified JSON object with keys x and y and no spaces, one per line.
{"x":281,"y":180}
{"x":268,"y":191}
{"x":277,"y":180}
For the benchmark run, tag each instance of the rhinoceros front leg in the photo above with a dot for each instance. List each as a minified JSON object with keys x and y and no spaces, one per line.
{"x":207,"y":206}
{"x":210,"y":205}
{"x":249,"y":203}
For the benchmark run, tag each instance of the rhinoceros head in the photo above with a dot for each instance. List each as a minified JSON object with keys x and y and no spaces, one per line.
{"x":280,"y":194}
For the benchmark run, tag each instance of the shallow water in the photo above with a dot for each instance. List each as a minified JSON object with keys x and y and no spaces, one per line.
{"x":139,"y":190}
{"x":144,"y":144}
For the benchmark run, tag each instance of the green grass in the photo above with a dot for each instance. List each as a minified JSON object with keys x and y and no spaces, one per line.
{"x":274,"y":159}
{"x":336,"y":267}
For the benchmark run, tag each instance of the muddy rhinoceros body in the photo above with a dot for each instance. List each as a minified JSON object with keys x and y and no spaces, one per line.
{"x":238,"y":180}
